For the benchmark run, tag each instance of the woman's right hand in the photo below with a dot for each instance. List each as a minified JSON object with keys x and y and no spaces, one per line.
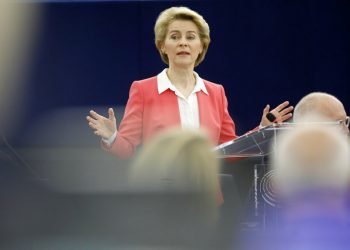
{"x":103,"y":126}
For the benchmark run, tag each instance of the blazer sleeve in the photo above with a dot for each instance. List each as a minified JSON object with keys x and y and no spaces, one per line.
{"x":129,"y":135}
{"x":228,"y":128}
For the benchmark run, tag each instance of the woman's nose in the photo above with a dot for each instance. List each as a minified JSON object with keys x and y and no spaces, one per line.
{"x":183,"y":42}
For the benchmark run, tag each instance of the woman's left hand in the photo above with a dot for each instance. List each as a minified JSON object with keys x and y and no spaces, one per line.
{"x":282,"y":112}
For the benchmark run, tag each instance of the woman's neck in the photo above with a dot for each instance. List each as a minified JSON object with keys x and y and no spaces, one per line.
{"x":182,"y":79}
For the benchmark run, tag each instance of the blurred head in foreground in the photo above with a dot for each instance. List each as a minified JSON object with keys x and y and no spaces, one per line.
{"x":311,"y":169}
{"x":18,"y":25}
{"x":179,"y":162}
{"x":311,"y":166}
{"x":175,"y":177}
{"x":321,"y":107}
{"x":310,"y":158}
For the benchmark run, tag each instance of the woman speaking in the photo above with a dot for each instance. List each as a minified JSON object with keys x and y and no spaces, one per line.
{"x":177,"y":96}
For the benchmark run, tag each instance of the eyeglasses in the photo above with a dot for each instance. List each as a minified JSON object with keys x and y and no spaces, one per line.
{"x":345,"y":121}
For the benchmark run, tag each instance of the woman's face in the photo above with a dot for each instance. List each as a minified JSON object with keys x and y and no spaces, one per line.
{"x":182,"y":44}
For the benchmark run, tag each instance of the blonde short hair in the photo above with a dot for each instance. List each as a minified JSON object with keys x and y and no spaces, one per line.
{"x":179,"y":161}
{"x":181,"y":13}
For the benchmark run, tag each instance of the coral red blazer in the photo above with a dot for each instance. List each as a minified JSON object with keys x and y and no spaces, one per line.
{"x":147,"y":113}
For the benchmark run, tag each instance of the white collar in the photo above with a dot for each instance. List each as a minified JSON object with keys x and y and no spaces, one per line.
{"x":164,"y":83}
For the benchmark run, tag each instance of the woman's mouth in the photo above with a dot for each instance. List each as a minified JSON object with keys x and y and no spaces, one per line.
{"x":183,"y":53}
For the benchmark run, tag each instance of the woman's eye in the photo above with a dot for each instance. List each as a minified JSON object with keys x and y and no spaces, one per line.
{"x":191,"y":37}
{"x":173,"y":37}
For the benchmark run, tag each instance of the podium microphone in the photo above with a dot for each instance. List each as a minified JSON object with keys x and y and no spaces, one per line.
{"x":271,"y":117}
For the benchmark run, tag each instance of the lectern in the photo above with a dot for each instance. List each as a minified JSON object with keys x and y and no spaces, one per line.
{"x":262,"y":201}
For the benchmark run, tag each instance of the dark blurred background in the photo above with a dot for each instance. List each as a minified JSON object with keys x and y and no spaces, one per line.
{"x":264,"y":52}
{"x":85,"y":56}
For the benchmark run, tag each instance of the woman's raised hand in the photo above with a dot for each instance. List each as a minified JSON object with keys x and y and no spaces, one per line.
{"x":282,"y":112}
{"x":103,"y":126}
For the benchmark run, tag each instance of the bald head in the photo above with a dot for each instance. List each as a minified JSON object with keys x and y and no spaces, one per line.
{"x":319,"y":106}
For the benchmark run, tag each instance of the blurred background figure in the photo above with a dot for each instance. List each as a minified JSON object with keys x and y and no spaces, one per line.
{"x":318,"y":106}
{"x":311,"y":158}
{"x":312,"y":169}
{"x":178,"y":161}
{"x":176,"y":177}
{"x":18,"y":25}
{"x":311,"y":165}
